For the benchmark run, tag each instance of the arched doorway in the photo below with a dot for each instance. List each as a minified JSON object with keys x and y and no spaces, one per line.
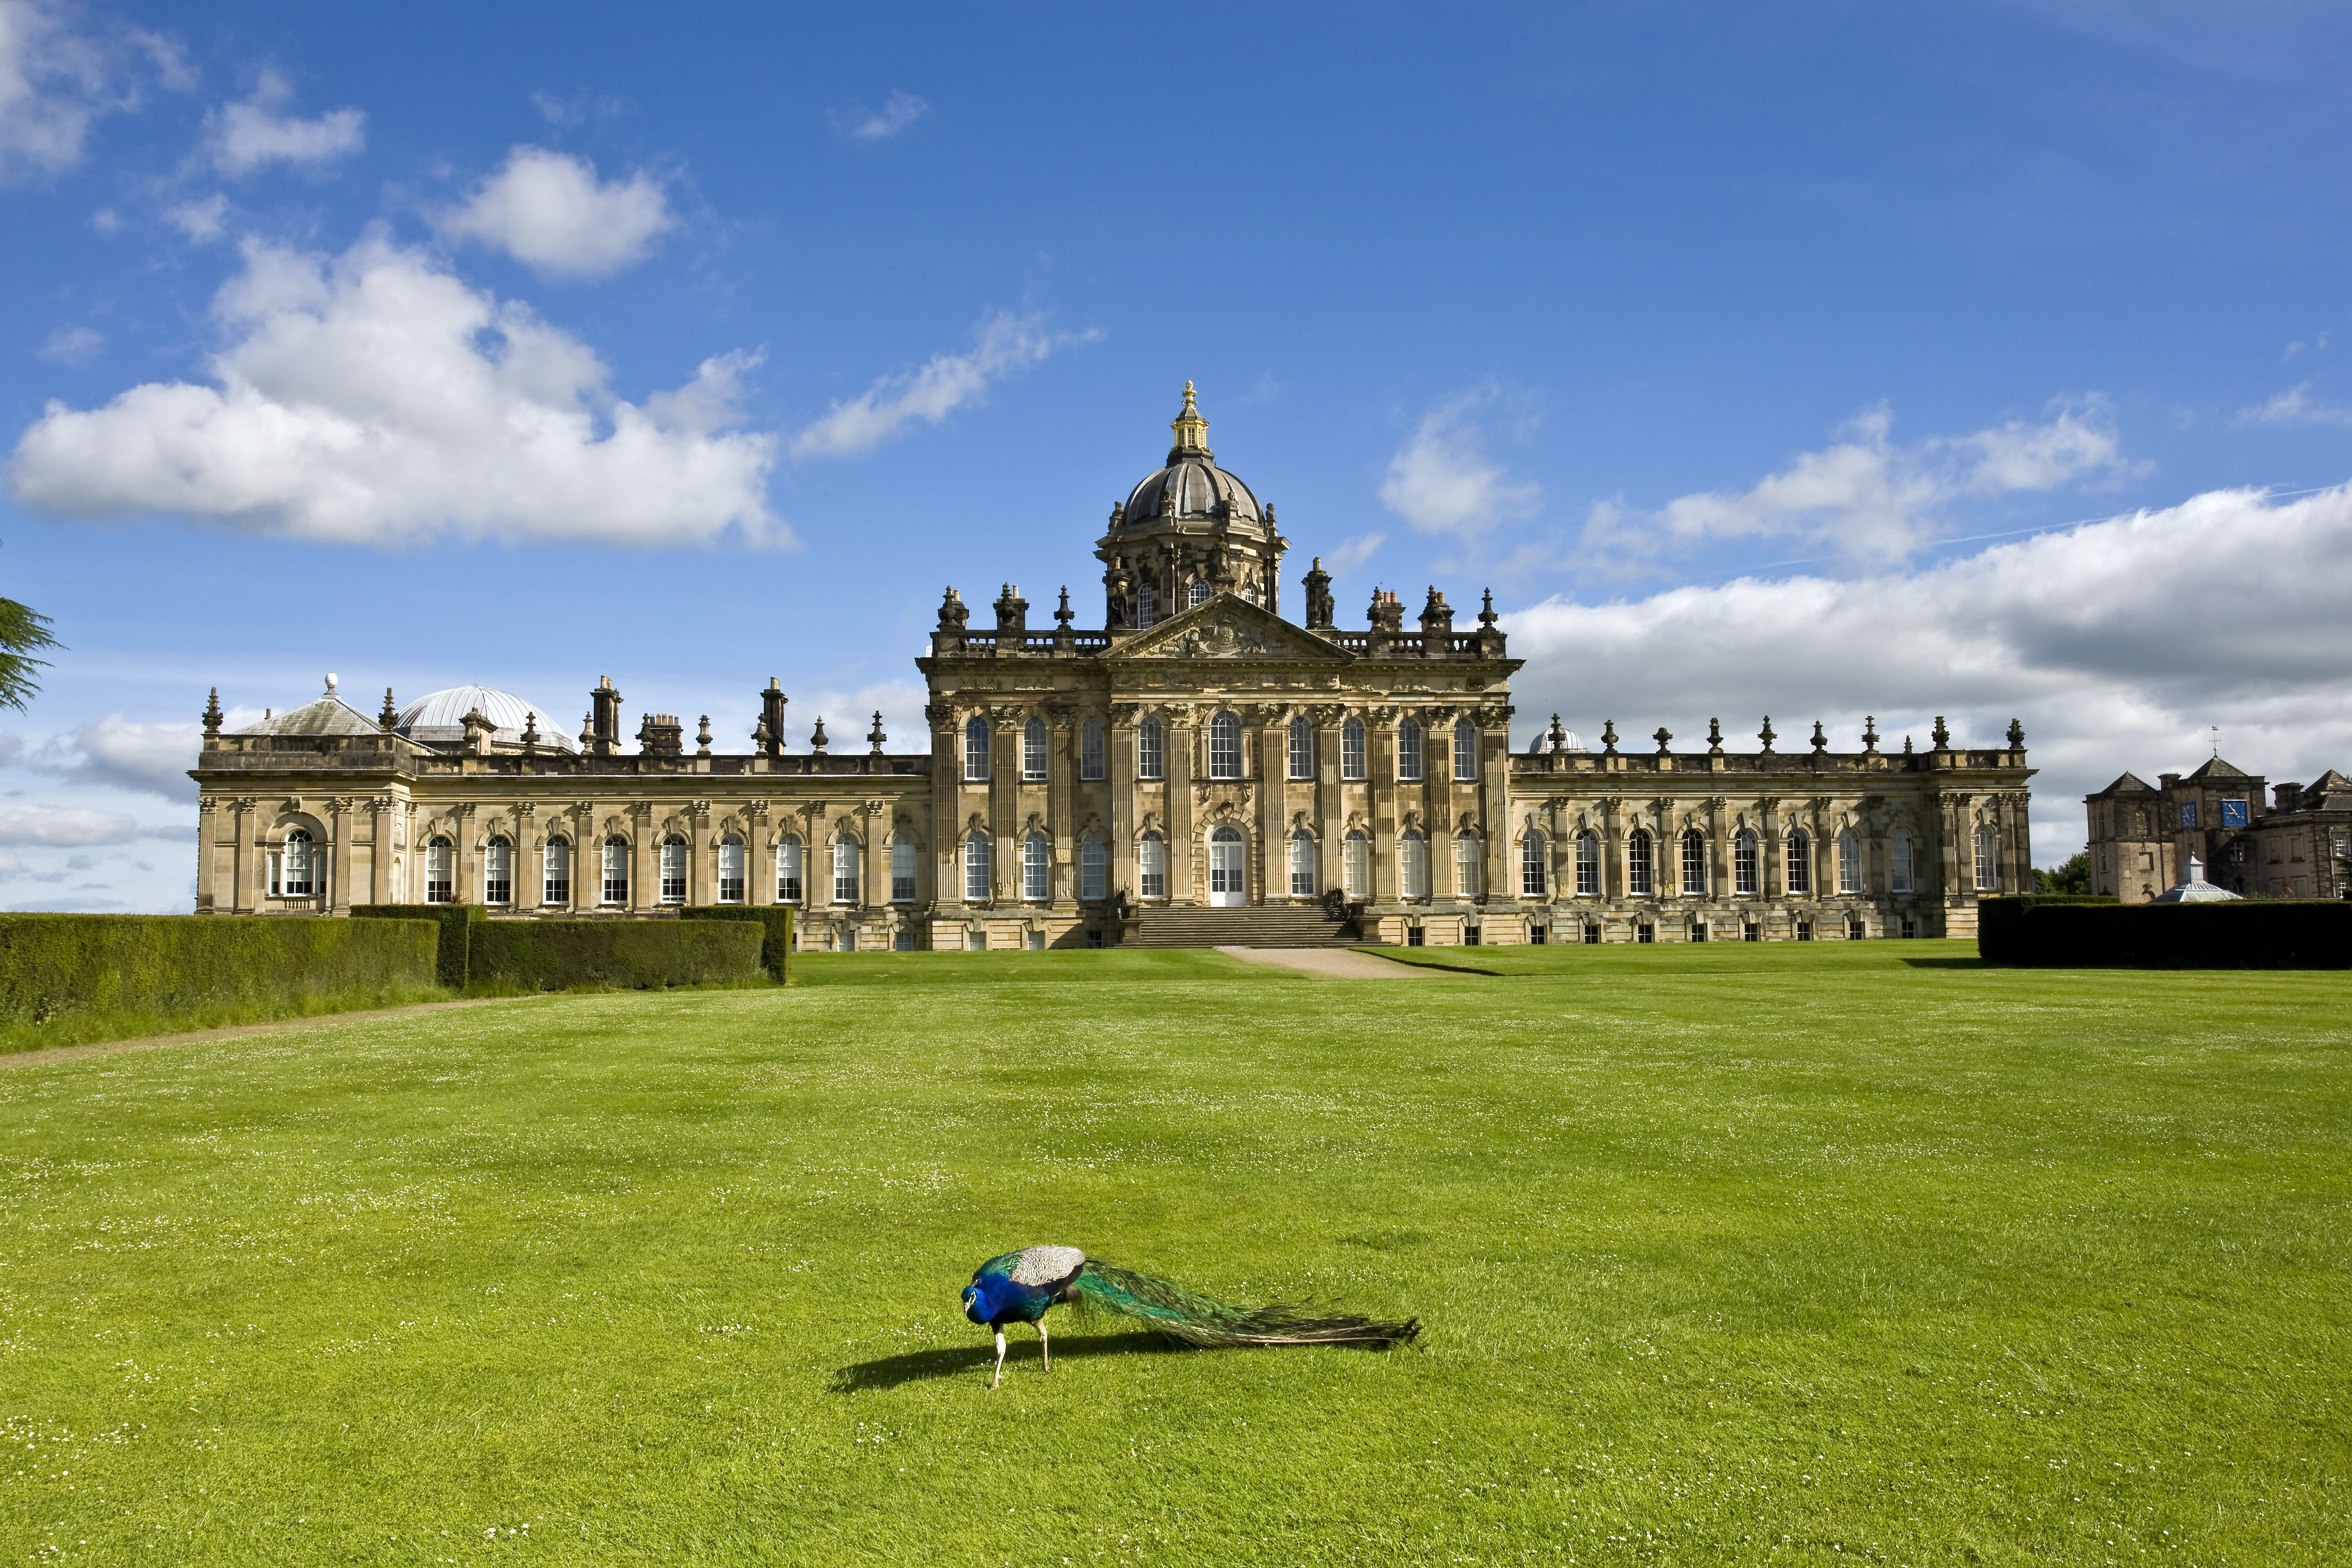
{"x":1226,"y":881}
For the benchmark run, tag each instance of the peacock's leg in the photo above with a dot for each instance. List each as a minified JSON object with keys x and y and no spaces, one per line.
{"x":1000,"y":1359}
{"x":1043,"y":1348}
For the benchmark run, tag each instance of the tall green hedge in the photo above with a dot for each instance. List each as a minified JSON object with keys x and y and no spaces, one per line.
{"x":620,"y":955}
{"x":455,"y":921}
{"x":775,"y":949}
{"x":69,"y":978}
{"x":2044,"y":932}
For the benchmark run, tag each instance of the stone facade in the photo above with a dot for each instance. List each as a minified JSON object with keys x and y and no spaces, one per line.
{"x":1200,"y":750}
{"x":2298,"y":844}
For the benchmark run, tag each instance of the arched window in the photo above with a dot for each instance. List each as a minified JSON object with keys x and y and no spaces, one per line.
{"x":1694,"y":864}
{"x":440,"y":871}
{"x":1197,"y":593}
{"x":788,"y":871}
{"x":1091,"y":749}
{"x":1147,"y":606}
{"x":1094,"y":868}
{"x":1033,"y":750}
{"x":1412,"y":864}
{"x":616,"y":870}
{"x":1747,"y":866}
{"x":1351,"y":749}
{"x":1228,"y":875}
{"x":1224,"y":747}
{"x":979,"y":876}
{"x":1152,"y":866}
{"x":295,"y":879}
{"x":498,"y":871}
{"x":1849,"y":862}
{"x":1468,"y":882}
{"x":975,"y":747}
{"x":1638,"y":879}
{"x":1150,"y":748}
{"x":1408,"y":751}
{"x":673,"y":870}
{"x":845,"y":870}
{"x":1466,"y":749}
{"x":730,"y":869}
{"x":1302,"y":864}
{"x":555,"y":873}
{"x":1036,"y":868}
{"x":902,"y":868}
{"x":1302,"y":748}
{"x":1800,"y":863}
{"x":1903,"y":872}
{"x":1588,"y":864}
{"x":1535,"y":865}
{"x":1356,"y":865}
{"x":1987,"y":876}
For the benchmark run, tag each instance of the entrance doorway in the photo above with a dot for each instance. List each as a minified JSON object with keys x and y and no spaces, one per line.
{"x":1226,"y":880}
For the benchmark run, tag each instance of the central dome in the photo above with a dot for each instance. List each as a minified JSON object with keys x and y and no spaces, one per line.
{"x":1191,"y":485}
{"x":439,"y":719}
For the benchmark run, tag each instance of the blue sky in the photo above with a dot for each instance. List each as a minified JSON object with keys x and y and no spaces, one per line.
{"x":1819,"y":360}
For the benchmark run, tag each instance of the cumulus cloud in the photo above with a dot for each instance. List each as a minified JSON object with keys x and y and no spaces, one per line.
{"x":56,"y":80}
{"x":243,"y":137}
{"x":1002,"y":344}
{"x":1352,"y":552}
{"x":373,"y":398}
{"x":22,"y":822}
{"x":2117,"y":642}
{"x":1441,"y":481}
{"x":202,"y":221}
{"x":2296,"y":406}
{"x":901,"y":111}
{"x":551,"y":212}
{"x":72,"y":345}
{"x":1871,"y":498}
{"x":150,"y":758}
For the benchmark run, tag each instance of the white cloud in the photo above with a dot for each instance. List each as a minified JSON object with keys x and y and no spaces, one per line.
{"x":2116,"y":642}
{"x":1352,"y":552}
{"x":203,"y":221}
{"x":1871,"y":498}
{"x":1002,"y":344}
{"x":72,"y":345}
{"x":2296,"y":406}
{"x":153,"y":758}
{"x":1441,"y":482}
{"x":250,"y":135}
{"x":22,"y":822}
{"x":373,"y":398}
{"x":53,"y":83}
{"x":549,"y":211}
{"x":901,"y":111}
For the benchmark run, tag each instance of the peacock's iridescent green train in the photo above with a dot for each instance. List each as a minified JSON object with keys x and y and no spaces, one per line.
{"x":1020,"y":1286}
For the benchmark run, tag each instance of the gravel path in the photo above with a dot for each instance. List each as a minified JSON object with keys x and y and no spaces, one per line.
{"x":232,"y":1032}
{"x":1331,"y":963}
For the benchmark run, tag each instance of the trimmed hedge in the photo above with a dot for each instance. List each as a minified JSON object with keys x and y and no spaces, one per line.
{"x":455,"y":921}
{"x":65,"y":979}
{"x":775,"y":949}
{"x":2103,"y":933}
{"x":611,"y":955}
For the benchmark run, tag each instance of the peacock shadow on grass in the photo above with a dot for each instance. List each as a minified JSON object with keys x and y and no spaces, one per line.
{"x":923,"y":1366}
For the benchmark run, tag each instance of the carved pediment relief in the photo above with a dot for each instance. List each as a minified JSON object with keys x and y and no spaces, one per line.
{"x":1229,"y":627}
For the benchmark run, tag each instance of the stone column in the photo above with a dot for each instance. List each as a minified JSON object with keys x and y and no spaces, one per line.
{"x":874,"y":882}
{"x":1061,"y":789}
{"x":1330,"y":812}
{"x":1271,"y":730}
{"x":1387,"y":815}
{"x":1771,"y":854}
{"x":947,"y":806}
{"x":702,"y":855}
{"x":338,"y":884}
{"x":1502,"y":880}
{"x":2017,"y":848}
{"x":465,"y":883}
{"x":207,"y":849}
{"x":1178,"y":757}
{"x":759,"y":880}
{"x":1612,"y":850}
{"x":645,"y":876}
{"x":1004,"y":800}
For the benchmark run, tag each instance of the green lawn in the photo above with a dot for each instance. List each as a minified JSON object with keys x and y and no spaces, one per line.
{"x":1726,"y":1254}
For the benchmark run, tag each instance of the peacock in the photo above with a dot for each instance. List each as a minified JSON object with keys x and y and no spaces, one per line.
{"x":1019,"y":1287}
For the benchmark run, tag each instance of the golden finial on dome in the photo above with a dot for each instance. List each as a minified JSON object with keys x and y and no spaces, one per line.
{"x":1191,"y":430}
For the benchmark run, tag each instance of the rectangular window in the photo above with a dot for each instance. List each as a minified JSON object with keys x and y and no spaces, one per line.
{"x":1090,"y":750}
{"x":1637,"y":866}
{"x":1094,"y":868}
{"x":1034,"y":747}
{"x":975,"y":940}
{"x":1356,"y":866}
{"x":1910,"y":926}
{"x":1751,"y":931}
{"x":1986,"y":879}
{"x":1152,"y":867}
{"x":902,"y":870}
{"x":1467,"y":883}
{"x":1351,"y":751}
{"x":1593,"y":936}
{"x":979,"y":876}
{"x":673,"y":873}
{"x":1849,"y":863}
{"x":1801,"y":871}
{"x":1694,"y":865}
{"x":1588,"y":866}
{"x":730,"y":871}
{"x":1470,"y":935}
{"x":1412,"y":857}
{"x":555,"y":885}
{"x":1856,"y":932}
{"x":844,"y":871}
{"x":1224,"y":747}
{"x":1804,"y":930}
{"x":1744,"y":866}
{"x":1466,"y":752}
{"x":1150,"y":750}
{"x":498,"y":873}
{"x":1645,"y":932}
{"x":1302,"y":867}
{"x":1698,"y":930}
{"x":1535,"y":935}
{"x":1409,"y":753}
{"x":1415,"y":937}
{"x":1302,"y":749}
{"x":616,"y":872}
{"x":788,"y":871}
{"x":1534,"y":874}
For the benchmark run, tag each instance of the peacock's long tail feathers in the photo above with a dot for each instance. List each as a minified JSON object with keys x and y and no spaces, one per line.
{"x":1198,"y":1320}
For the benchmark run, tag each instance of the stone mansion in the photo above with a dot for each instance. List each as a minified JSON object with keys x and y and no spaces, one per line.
{"x":1198,"y":752}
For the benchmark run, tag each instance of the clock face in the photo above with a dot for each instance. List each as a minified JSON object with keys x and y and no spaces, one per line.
{"x":2189,"y":814}
{"x":2233,"y":813}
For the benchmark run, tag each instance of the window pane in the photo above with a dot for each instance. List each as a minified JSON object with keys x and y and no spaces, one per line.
{"x":1036,"y":868}
{"x":1351,"y":750}
{"x":1302,"y":749}
{"x":555,"y":883}
{"x":1744,"y":863}
{"x":1147,"y":605}
{"x":1152,"y":867}
{"x":730,"y":869}
{"x":1899,"y":851}
{"x":295,"y":873}
{"x":1409,"y":750}
{"x":1467,"y":881}
{"x":1198,"y":593}
{"x":788,"y":871}
{"x":1637,"y":864}
{"x":1224,"y":747}
{"x":616,"y":871}
{"x":1150,"y":748}
{"x":1801,"y":868}
{"x":902,"y":868}
{"x":1985,"y":877}
{"x":1588,"y":864}
{"x":1358,"y":866}
{"x":975,"y":748}
{"x":1094,"y":868}
{"x":977,"y":876}
{"x":1412,"y":863}
{"x":1302,"y":866}
{"x":1694,"y":864}
{"x":1033,"y":750}
{"x":1090,"y":750}
{"x":673,"y":871}
{"x":1534,"y":867}
{"x":1849,"y":862}
{"x":497,"y":872}
{"x":440,"y":871}
{"x":845,"y":870}
{"x":1466,"y":749}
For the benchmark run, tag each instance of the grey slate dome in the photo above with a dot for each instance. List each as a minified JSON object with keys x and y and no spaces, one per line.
{"x":1191,"y":485}
{"x":439,"y":719}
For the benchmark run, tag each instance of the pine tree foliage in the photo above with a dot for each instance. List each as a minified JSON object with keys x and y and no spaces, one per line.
{"x":23,"y":631}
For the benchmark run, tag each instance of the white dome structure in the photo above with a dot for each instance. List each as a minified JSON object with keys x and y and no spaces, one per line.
{"x":439,"y":719}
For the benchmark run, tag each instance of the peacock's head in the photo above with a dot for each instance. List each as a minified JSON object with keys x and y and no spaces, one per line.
{"x":984,"y":1298}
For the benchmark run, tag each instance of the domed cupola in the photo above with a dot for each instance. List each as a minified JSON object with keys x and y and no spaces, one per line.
{"x":1186,"y":534}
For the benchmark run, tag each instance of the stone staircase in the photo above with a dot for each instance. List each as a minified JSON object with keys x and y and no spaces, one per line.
{"x":1279,"y":925}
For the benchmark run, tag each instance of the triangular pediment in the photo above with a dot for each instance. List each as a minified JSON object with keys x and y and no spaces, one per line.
{"x":1229,"y":627}
{"x":2127,"y":784}
{"x":2217,"y":771}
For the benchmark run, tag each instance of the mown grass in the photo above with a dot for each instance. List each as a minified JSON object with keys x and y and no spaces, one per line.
{"x":1743,"y":1253}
